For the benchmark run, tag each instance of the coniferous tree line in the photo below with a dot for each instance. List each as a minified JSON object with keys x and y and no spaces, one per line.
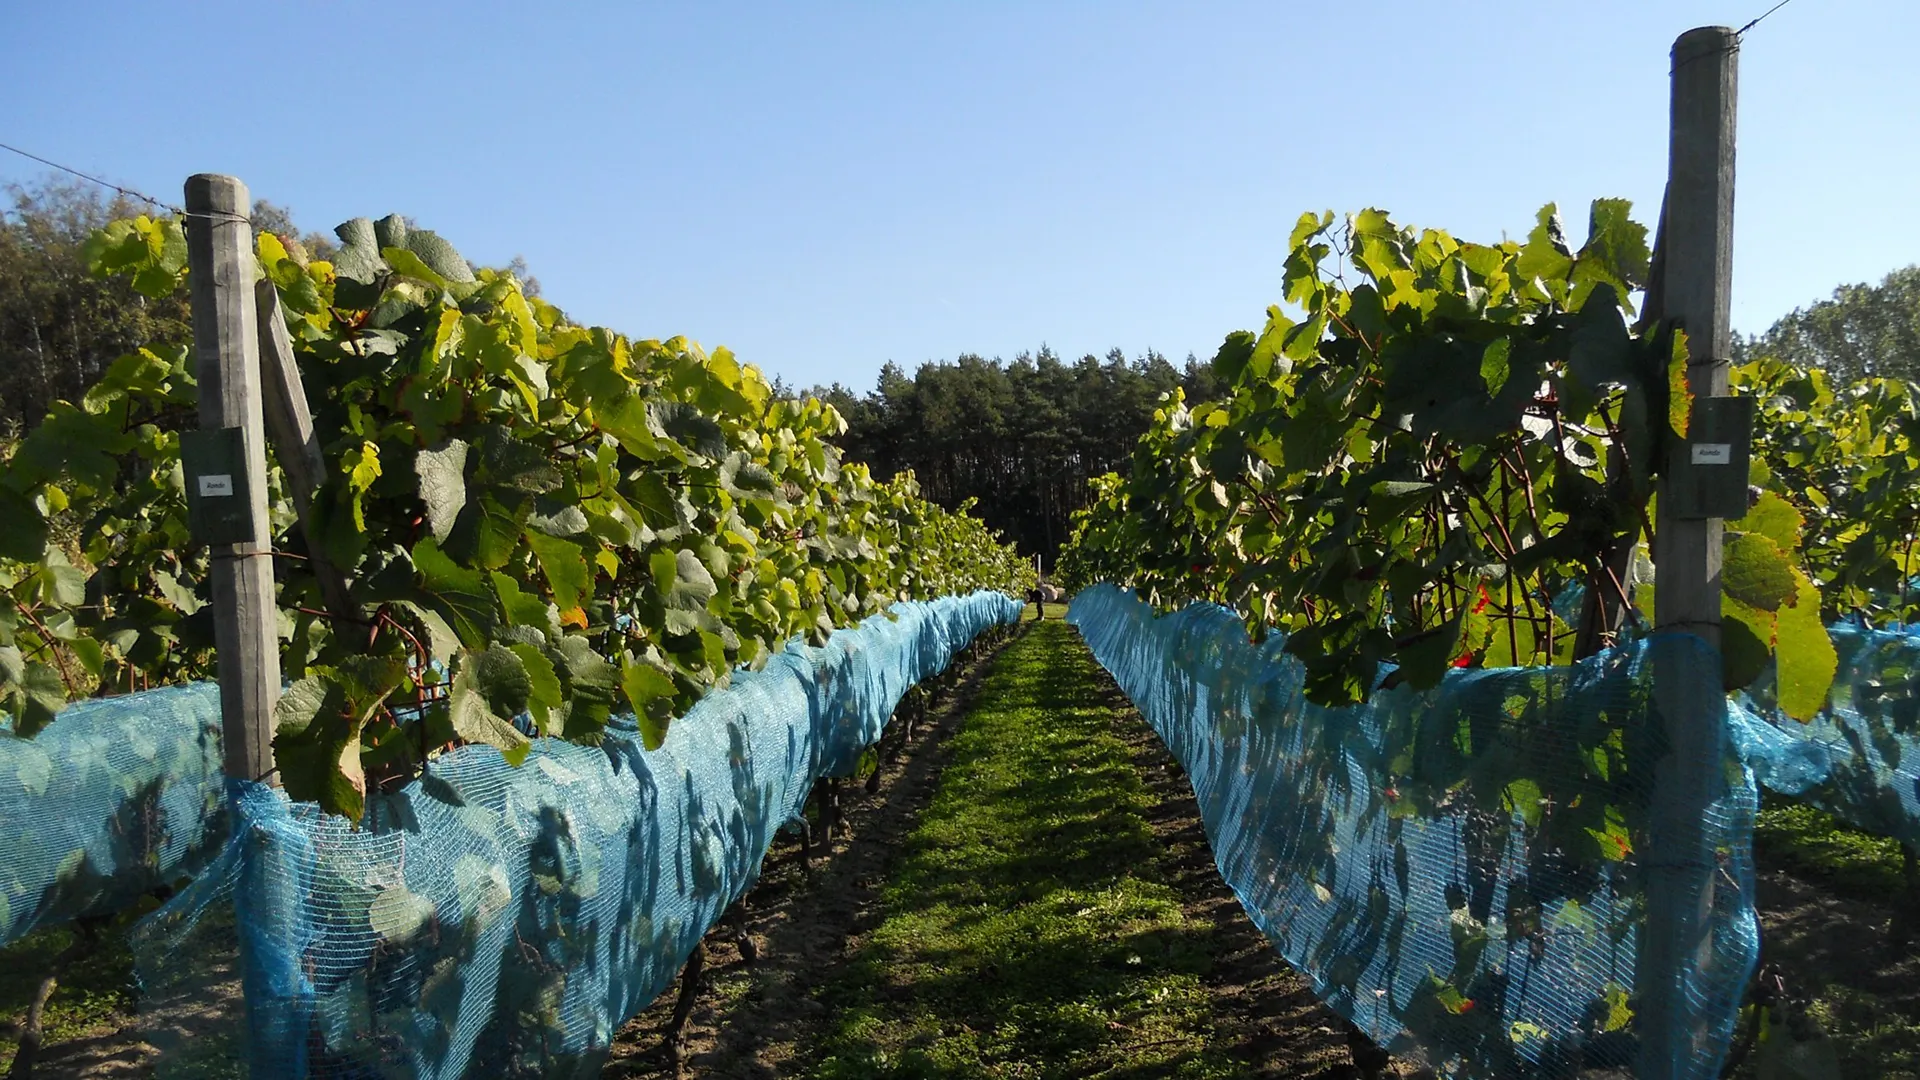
{"x":1022,"y":438}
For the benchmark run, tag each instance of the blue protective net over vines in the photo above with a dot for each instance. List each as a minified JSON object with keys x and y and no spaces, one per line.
{"x":1462,"y":871}
{"x":506,"y":920}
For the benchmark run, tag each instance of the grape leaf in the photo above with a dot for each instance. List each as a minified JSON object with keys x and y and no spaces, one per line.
{"x":443,"y":485}
{"x":1756,"y":572}
{"x":1804,"y":653}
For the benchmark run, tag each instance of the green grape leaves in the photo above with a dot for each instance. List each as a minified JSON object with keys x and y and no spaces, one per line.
{"x":30,"y":691}
{"x":1805,"y":656}
{"x":316,"y":744}
{"x":647,"y":688}
{"x":459,"y":595}
{"x":1755,"y":572}
{"x":23,"y":529}
{"x":1838,"y":466}
{"x":1746,"y":642}
{"x":1774,"y":518}
{"x":1433,"y":445}
{"x":1458,"y":432}
{"x":472,"y":715}
{"x":537,"y":519}
{"x":443,"y":485}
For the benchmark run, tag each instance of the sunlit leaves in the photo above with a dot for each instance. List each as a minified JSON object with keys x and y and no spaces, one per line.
{"x":508,"y":495}
{"x":1438,"y":423}
{"x":153,"y":252}
{"x":1546,"y":257}
{"x":1806,"y":660}
{"x":1746,"y":642}
{"x":1679,"y":389}
{"x":564,"y":566}
{"x":1494,"y":366}
{"x":362,"y":467}
{"x":647,"y":688}
{"x":1774,"y":518}
{"x":1756,"y":572}
{"x":1847,"y":461}
{"x":546,"y":698}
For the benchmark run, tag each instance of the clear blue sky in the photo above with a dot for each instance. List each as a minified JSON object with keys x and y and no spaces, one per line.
{"x":826,"y":186}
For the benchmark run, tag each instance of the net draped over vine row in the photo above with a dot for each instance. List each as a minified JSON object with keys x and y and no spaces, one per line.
{"x":485,"y":917}
{"x":1436,"y":862}
{"x":1859,"y":759}
{"x":120,"y":796}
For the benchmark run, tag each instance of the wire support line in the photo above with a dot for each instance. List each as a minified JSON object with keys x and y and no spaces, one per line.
{"x":126,"y":191}
{"x":1764,"y":14}
{"x":1739,"y":36}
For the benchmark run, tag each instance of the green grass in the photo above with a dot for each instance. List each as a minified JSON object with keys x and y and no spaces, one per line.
{"x":1029,"y":929}
{"x":1816,"y":845}
{"x":1056,"y":609}
{"x":1873,"y":1034}
{"x":96,"y":992}
{"x":1875,"y":1038}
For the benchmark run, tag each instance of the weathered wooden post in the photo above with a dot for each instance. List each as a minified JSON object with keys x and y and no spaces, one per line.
{"x":290,"y":423}
{"x":1697,"y":248}
{"x":227,"y":469}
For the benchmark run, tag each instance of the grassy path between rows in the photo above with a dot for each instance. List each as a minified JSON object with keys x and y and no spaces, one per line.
{"x":1030,"y":926}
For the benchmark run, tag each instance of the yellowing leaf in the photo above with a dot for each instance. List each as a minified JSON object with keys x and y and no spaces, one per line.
{"x":1775,"y":518}
{"x":362,"y":467}
{"x":1679,"y":394}
{"x":1619,"y":1013}
{"x":1804,"y":653}
{"x":270,"y":250}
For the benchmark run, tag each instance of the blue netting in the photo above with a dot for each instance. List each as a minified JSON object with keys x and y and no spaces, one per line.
{"x":116,"y":797}
{"x":1459,"y":872}
{"x":505,"y":921}
{"x":1860,"y":757}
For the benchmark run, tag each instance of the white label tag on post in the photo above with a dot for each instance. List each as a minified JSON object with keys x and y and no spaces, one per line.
{"x":211,"y":486}
{"x":1714,"y":453}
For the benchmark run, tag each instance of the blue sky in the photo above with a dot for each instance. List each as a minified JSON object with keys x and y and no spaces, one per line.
{"x":824,"y":186}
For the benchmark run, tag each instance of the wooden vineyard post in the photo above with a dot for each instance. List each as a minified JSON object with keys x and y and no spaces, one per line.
{"x":290,"y":422}
{"x":1697,"y":249}
{"x":226,"y":363}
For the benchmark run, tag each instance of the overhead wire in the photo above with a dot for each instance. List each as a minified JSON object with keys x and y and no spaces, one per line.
{"x":126,"y":191}
{"x":1762,"y":15}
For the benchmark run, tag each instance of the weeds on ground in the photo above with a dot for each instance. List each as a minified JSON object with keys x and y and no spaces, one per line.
{"x":1030,"y":928}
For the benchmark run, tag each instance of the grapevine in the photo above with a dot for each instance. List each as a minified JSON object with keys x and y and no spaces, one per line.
{"x":542,"y":523}
{"x":1449,"y":439}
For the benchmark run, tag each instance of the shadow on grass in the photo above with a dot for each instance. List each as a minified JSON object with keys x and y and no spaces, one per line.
{"x":1031,"y":926}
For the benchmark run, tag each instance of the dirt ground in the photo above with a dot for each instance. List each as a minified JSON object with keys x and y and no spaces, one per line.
{"x":1859,"y":965}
